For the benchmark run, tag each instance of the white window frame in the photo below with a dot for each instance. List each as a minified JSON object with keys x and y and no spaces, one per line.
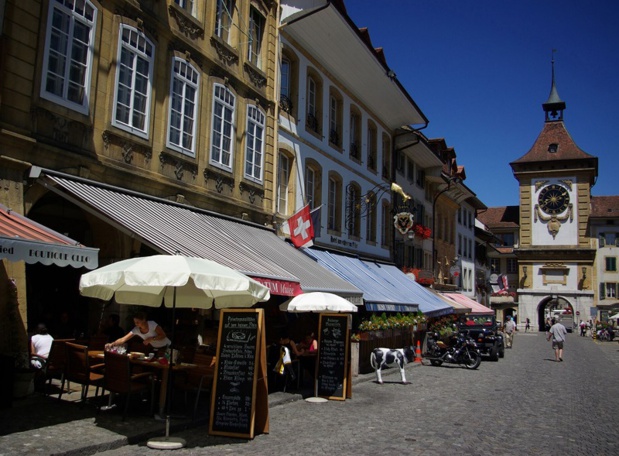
{"x":86,"y":18}
{"x":284,"y":77}
{"x":332,"y":205}
{"x":254,"y":147}
{"x":283,"y":177}
{"x":311,"y":96}
{"x":310,"y":184}
{"x":222,"y":128}
{"x":145,"y":52}
{"x":257,"y":24}
{"x":183,"y":109}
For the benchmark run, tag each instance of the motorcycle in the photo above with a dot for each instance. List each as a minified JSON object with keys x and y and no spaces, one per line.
{"x":461,"y":350}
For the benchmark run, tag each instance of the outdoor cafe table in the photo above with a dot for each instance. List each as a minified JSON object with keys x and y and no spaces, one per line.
{"x":163,"y":371}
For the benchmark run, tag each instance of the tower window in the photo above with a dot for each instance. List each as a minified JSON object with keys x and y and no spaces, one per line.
{"x":552,"y":148}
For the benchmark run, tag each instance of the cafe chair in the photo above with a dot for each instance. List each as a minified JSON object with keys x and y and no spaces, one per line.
{"x":197,"y":380}
{"x":56,"y":363}
{"x":120,"y":380}
{"x":79,"y":370}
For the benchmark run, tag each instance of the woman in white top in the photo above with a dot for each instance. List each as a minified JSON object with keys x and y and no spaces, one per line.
{"x":151,"y":333}
{"x":40,"y":346}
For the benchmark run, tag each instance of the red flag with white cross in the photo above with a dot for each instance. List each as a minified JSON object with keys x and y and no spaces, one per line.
{"x":301,"y":228}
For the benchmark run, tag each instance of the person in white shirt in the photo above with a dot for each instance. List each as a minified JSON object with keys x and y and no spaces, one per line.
{"x":40,"y":346}
{"x":510,"y":328}
{"x":558,"y":334}
{"x":151,"y":333}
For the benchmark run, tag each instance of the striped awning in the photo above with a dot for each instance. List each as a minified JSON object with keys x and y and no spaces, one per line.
{"x":169,"y":227}
{"x":23,"y":239}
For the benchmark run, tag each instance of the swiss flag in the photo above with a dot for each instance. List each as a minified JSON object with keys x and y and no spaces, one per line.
{"x":301,"y":228}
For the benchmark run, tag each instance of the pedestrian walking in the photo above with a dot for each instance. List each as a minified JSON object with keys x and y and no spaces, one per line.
{"x":583,"y":328}
{"x":527,"y":326}
{"x":510,"y":328}
{"x":557,"y":333}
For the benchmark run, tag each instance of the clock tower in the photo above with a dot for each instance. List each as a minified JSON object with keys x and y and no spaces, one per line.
{"x":555,"y":252}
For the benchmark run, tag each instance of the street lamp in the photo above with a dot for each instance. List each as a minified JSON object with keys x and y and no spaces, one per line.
{"x":451,"y":180}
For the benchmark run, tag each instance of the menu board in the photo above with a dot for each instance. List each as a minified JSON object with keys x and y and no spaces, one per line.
{"x":240,"y":356}
{"x":333,"y":344}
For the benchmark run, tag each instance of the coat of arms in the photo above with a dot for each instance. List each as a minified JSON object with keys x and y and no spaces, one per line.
{"x":403,"y":222}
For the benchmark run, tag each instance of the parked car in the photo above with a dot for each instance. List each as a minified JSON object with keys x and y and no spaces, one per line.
{"x":485,"y":332}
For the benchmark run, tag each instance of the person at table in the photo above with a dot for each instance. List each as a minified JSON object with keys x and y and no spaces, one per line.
{"x":112,"y":329}
{"x":309,"y":344}
{"x":151,"y":333}
{"x":40,"y":346}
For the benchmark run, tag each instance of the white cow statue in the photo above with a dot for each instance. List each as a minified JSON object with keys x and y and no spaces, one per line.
{"x":381,"y":357}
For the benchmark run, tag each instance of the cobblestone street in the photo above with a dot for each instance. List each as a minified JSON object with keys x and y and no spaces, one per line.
{"x":524,"y":404}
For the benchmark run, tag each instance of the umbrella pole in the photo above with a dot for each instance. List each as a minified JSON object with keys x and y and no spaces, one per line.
{"x":167,"y":442}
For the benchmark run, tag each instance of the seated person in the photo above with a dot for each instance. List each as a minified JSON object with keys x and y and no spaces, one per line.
{"x":40,"y":346}
{"x":151,"y":333}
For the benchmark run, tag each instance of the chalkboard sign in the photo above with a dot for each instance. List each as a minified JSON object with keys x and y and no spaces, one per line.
{"x":333,"y":345}
{"x":240,"y":358}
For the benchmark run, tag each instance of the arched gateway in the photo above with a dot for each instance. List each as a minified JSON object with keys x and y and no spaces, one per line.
{"x":550,"y":306}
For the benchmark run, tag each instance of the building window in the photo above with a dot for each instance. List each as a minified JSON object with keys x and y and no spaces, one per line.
{"x":256,"y":33}
{"x":355,"y":135}
{"x":459,"y":244}
{"x":421,"y":178}
{"x":611,"y":264}
{"x":460,"y":215}
{"x":334,"y":204}
{"x":184,"y":87}
{"x":310,"y":186}
{"x":471,"y":253}
{"x":371,"y":146}
{"x":370,"y":221}
{"x":495,"y":265}
{"x":386,"y":157}
{"x":314,"y":94}
{"x":284,"y":77}
{"x":610,"y":290}
{"x":254,"y":150}
{"x":223,"y":24}
{"x":187,"y":5}
{"x":512,"y":266}
{"x":353,"y":210}
{"x":133,"y":81}
{"x":283,"y":178}
{"x":68,"y":54}
{"x":222,"y":127}
{"x":335,"y":119}
{"x":410,"y":170}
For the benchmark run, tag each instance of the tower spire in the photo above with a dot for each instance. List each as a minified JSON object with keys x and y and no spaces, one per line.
{"x":554,"y":106}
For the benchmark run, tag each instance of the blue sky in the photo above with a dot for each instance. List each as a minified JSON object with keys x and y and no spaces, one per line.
{"x":480,"y":71}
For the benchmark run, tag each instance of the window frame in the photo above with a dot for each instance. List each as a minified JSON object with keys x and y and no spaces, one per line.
{"x":64,"y":98}
{"x":372,"y":137}
{"x":610,"y":264}
{"x":186,"y":81}
{"x":189,"y":6}
{"x":283,"y":183}
{"x":334,"y":203}
{"x":252,"y":124}
{"x":135,"y":54}
{"x":226,"y":106}
{"x":256,"y":35}
{"x":223,"y":28}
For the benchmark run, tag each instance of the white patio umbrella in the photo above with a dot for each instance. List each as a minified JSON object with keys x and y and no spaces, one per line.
{"x":614,"y":317}
{"x":178,"y":281}
{"x":317,"y":302}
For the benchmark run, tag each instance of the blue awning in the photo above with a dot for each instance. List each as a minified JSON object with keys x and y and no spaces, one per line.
{"x":430,"y":304}
{"x":379,"y":291}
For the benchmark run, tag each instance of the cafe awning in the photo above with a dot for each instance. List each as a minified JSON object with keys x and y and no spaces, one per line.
{"x":458,"y":307}
{"x":379,"y":293}
{"x":23,"y":239}
{"x":429,"y":304}
{"x":169,"y":227}
{"x":476,"y":308}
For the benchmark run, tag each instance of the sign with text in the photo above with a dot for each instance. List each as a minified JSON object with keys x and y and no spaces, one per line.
{"x":239,"y":403}
{"x":333,"y":347}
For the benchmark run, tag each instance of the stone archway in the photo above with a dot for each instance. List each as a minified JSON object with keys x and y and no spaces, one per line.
{"x":547,"y":305}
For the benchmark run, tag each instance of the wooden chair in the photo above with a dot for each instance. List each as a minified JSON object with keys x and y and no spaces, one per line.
{"x":79,"y":370}
{"x":198,"y":379}
{"x":120,"y":380}
{"x":56,"y":362}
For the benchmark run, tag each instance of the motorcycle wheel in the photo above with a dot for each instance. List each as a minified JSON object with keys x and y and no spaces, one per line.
{"x":436,"y":362}
{"x":472,"y":359}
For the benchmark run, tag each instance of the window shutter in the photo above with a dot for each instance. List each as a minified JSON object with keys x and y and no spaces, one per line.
{"x":602,"y":290}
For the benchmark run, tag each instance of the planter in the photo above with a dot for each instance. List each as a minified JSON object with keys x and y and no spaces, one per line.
{"x":23,"y":384}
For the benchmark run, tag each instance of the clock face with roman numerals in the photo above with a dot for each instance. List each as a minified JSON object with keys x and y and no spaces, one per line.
{"x":553,"y":199}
